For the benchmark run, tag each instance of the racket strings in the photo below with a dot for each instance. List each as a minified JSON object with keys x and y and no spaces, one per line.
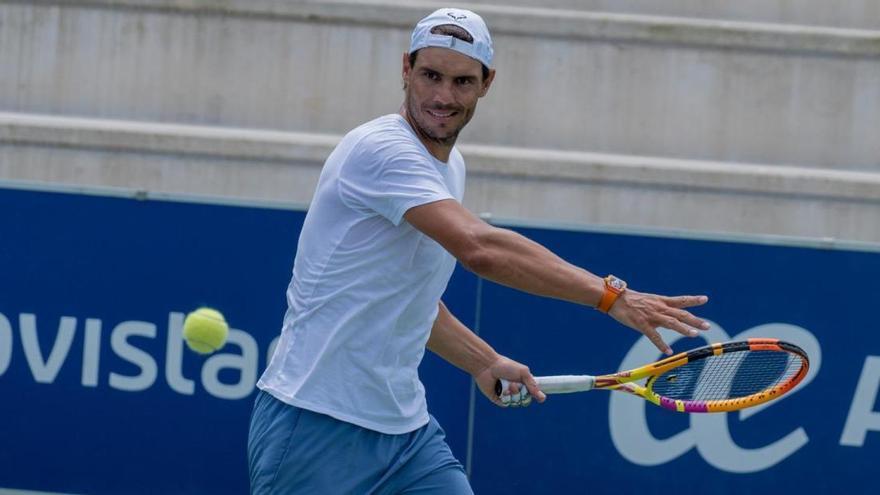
{"x":728,"y":376}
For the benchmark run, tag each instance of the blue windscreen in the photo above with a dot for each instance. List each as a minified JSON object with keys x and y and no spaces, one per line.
{"x":100,"y":397}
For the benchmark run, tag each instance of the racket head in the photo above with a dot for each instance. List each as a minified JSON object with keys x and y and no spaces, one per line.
{"x":719,"y":377}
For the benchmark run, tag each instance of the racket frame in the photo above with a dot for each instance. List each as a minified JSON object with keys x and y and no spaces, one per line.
{"x":624,"y":381}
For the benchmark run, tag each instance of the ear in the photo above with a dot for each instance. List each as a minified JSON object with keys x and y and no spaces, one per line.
{"x":487,"y":82}
{"x":406,"y":68}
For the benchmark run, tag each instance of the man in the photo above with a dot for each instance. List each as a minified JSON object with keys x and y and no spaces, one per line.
{"x":341,"y":408}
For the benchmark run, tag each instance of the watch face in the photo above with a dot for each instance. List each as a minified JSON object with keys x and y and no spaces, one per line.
{"x":616,"y":283}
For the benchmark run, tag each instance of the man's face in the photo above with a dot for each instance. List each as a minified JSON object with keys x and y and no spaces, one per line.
{"x":442,"y":90}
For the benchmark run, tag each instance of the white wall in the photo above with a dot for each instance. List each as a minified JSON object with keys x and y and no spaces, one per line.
{"x":526,"y":184}
{"x":698,"y":91}
{"x":854,"y":14}
{"x":776,"y":124}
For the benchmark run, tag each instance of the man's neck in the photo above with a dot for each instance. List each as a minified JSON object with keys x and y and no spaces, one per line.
{"x":438,"y":150}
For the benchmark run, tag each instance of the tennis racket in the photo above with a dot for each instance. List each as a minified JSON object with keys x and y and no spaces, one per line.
{"x":714,"y":378}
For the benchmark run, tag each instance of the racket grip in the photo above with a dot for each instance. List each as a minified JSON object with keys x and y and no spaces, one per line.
{"x":500,"y":386}
{"x":565,"y":384}
{"x":558,"y":384}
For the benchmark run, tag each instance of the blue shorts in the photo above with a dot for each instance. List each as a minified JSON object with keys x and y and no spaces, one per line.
{"x":293,"y":450}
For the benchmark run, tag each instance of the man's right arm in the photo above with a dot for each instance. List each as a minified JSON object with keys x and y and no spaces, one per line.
{"x":510,"y":259}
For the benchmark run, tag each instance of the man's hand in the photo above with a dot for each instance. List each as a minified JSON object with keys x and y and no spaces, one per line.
{"x":516,"y":373}
{"x":647,"y":312}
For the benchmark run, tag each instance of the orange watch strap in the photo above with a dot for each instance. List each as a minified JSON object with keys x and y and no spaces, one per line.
{"x":609,"y":296}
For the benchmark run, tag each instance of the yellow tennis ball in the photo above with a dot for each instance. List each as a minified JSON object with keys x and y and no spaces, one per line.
{"x":205,"y":330}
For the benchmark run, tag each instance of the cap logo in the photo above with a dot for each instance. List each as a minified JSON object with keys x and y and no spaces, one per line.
{"x":458,"y":29}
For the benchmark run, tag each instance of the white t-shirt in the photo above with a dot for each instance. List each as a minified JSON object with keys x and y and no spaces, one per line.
{"x":366,"y":285}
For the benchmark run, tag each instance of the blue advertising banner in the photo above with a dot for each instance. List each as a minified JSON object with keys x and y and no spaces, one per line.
{"x":100,"y":395}
{"x":823,"y":438}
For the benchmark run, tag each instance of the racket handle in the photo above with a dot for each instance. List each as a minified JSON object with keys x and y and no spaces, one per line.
{"x":565,"y":384}
{"x":559,"y":384}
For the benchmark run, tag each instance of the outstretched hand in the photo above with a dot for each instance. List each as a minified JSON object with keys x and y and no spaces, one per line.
{"x":516,"y":373}
{"x":647,"y":312}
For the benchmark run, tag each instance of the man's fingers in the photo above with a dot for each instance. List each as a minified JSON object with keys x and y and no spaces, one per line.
{"x":655,"y":338}
{"x":683,"y":322}
{"x":677,"y":326}
{"x":683,"y":316}
{"x":534,"y":390}
{"x":686,"y":301}
{"x":689,"y":319}
{"x":520,"y":398}
{"x":521,"y":394}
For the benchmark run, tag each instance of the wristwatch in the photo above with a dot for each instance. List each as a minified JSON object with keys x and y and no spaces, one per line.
{"x":613,"y":288}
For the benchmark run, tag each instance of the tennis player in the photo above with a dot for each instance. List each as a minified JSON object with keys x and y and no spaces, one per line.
{"x":341,"y":409}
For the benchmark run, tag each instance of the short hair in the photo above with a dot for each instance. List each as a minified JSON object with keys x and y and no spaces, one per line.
{"x":456,"y":32}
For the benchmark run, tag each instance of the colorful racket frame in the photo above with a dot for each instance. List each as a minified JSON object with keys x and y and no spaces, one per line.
{"x":623,"y":381}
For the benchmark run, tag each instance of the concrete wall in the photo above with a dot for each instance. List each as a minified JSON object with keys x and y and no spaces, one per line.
{"x":594,"y":118}
{"x":853,"y":14}
{"x":641,"y":86}
{"x":536,"y":185}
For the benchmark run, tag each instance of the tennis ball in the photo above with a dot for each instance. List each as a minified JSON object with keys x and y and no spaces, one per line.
{"x":205,"y":330}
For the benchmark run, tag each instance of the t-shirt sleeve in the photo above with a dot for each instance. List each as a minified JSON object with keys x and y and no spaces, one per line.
{"x":389,"y":177}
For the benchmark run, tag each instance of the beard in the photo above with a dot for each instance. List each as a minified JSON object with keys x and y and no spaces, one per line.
{"x":443,"y":136}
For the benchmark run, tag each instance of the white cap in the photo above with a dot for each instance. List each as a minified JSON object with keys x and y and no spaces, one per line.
{"x":480,"y":49}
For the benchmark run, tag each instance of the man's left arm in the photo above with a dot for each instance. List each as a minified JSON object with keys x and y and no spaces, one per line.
{"x":457,"y":344}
